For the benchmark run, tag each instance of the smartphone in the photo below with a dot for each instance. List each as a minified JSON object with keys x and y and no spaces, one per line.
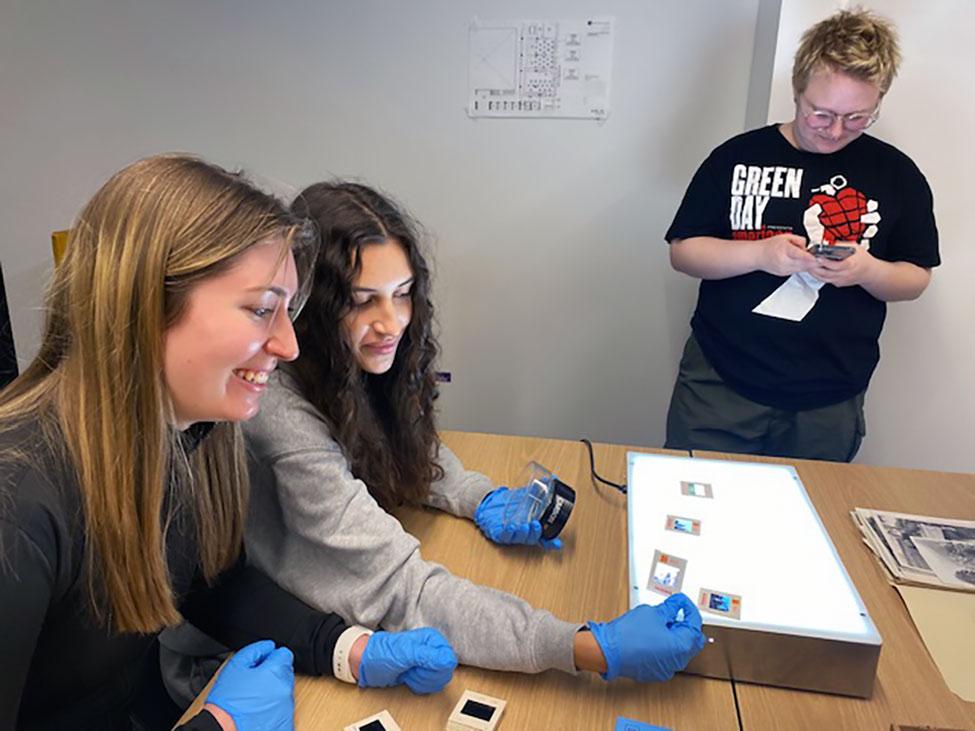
{"x":836,"y":253}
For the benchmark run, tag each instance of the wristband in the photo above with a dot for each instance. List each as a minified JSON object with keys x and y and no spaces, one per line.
{"x":341,"y":667}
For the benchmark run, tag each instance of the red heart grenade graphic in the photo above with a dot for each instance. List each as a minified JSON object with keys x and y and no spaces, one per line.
{"x":841,"y":215}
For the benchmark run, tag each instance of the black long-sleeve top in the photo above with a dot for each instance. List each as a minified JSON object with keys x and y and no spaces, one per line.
{"x":59,"y":667}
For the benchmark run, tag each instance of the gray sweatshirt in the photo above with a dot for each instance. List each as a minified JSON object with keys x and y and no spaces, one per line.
{"x":315,"y":529}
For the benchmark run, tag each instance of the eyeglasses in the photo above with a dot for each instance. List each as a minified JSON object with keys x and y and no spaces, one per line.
{"x":823,"y":118}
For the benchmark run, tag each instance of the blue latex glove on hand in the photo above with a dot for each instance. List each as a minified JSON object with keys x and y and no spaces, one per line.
{"x":421,"y":658}
{"x":649,"y":643}
{"x":256,"y":687}
{"x":489,"y":517}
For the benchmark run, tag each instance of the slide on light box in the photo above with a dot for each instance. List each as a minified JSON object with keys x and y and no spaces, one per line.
{"x":748,"y":536}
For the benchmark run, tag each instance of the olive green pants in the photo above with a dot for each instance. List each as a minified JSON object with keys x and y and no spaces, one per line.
{"x":706,"y":414}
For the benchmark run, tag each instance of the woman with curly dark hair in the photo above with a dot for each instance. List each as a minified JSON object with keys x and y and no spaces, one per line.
{"x":379,"y":406}
{"x":347,"y":432}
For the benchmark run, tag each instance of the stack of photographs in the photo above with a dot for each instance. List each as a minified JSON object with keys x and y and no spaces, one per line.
{"x":917,"y":549}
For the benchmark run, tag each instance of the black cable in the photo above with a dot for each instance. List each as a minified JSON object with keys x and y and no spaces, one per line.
{"x":596,"y":475}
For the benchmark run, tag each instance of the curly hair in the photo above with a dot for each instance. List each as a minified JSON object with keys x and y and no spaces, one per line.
{"x":855,"y":42}
{"x":384,"y":423}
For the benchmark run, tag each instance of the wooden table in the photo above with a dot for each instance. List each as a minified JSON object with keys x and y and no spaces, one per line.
{"x":909,"y":689}
{"x":588,"y":579}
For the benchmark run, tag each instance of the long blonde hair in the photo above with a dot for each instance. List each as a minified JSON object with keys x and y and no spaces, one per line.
{"x":148,"y":235}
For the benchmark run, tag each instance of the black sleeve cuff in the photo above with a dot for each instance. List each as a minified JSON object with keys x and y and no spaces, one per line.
{"x":245,"y":606}
{"x":202,"y":721}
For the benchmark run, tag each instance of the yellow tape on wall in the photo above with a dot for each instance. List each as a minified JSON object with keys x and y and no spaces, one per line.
{"x":59,"y":244}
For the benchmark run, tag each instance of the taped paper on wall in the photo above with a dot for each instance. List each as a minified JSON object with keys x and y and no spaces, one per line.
{"x":540,"y":68}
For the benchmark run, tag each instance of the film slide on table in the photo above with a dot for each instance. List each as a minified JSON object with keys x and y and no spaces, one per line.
{"x":541,"y":68}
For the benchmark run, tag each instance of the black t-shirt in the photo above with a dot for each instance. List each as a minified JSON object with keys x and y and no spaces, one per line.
{"x":62,"y":669}
{"x":757,"y":185}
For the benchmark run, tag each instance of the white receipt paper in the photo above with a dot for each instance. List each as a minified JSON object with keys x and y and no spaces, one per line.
{"x":793,"y":299}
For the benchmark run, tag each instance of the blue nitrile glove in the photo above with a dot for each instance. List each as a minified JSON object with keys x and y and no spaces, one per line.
{"x":422,"y":658}
{"x":256,"y":687}
{"x":489,"y":517}
{"x":649,"y":643}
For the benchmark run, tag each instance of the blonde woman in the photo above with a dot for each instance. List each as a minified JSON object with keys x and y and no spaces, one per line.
{"x":122,"y":486}
{"x":813,"y":205}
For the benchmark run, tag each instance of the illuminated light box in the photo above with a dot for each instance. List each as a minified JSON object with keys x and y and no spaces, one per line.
{"x":743,"y":540}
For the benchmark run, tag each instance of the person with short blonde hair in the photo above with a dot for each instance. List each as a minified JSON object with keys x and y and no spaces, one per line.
{"x":800,"y":232}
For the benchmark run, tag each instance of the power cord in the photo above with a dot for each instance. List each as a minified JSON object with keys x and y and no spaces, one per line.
{"x":595,"y":475}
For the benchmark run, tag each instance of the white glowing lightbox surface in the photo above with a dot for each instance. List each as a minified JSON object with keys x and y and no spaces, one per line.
{"x":760,"y":538}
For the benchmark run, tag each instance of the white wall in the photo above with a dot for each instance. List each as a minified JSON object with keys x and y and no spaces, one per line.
{"x":302,"y":90}
{"x":921,"y":404}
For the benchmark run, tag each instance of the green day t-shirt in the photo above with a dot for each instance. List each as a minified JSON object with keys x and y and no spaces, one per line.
{"x":757,"y":185}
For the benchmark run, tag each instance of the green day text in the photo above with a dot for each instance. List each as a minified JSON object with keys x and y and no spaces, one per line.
{"x":752,"y":187}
